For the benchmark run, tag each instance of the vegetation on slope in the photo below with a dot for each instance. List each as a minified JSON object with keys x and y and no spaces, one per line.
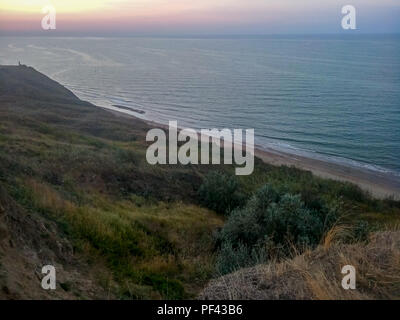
{"x":316,"y":274}
{"x":141,"y":231}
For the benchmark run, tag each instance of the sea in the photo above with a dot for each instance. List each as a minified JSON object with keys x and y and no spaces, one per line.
{"x":330,"y":97}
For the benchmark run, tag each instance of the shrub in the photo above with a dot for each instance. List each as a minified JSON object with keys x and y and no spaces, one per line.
{"x":362,"y":231}
{"x":220,"y":192}
{"x":274,"y":223}
{"x":231,"y":259}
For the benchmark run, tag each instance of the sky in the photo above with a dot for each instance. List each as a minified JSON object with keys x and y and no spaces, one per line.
{"x":202,"y":17}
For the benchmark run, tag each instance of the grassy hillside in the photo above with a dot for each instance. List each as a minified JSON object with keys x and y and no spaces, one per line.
{"x":76,"y":191}
{"x":84,"y":169}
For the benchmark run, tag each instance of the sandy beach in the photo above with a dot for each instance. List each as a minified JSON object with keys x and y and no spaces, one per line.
{"x":380,"y":185}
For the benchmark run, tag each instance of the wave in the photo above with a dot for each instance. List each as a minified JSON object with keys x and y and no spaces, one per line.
{"x":170,"y":110}
{"x":290,"y":149}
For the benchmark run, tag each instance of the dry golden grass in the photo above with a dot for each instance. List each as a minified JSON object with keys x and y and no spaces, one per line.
{"x":316,"y":274}
{"x":46,"y":197}
{"x":335,"y":234}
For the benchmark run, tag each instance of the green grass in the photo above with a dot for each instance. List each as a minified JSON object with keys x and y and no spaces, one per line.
{"x":164,"y":247}
{"x":86,"y":170}
{"x":144,"y":222}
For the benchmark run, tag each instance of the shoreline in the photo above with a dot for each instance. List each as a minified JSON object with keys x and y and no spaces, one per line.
{"x":379,"y":184}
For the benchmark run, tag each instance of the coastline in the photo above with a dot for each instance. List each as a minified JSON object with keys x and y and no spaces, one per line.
{"x":380,"y":185}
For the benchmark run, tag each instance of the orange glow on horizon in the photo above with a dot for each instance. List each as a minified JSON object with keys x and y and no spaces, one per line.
{"x":117,"y":14}
{"x":131,"y":15}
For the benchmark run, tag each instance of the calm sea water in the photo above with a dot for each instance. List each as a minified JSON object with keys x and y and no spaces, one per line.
{"x":330,"y":97}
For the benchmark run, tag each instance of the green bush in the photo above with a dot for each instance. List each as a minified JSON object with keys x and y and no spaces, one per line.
{"x":272,"y":223}
{"x":220,"y":192}
{"x":361,"y":231}
{"x":233,"y":258}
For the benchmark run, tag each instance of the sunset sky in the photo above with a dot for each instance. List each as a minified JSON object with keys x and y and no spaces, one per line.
{"x":130,"y":17}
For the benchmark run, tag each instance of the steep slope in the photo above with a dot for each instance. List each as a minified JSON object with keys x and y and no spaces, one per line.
{"x":77,"y":193}
{"x":23,"y":81}
{"x":29,"y":241}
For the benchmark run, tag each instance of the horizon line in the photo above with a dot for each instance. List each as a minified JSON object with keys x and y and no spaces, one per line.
{"x":194,"y":35}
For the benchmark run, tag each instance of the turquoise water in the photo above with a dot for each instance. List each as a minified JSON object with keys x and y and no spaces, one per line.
{"x":336,"y":98}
